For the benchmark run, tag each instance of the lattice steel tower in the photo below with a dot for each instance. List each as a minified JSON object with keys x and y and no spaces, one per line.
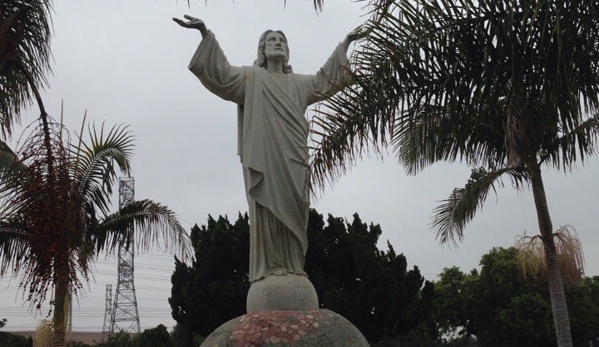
{"x":125,"y":316}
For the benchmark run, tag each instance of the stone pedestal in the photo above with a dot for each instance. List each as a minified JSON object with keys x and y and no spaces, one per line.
{"x":287,"y":328}
{"x":283,"y":311}
{"x":287,"y":292}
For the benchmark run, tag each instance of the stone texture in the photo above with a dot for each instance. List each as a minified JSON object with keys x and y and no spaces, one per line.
{"x":287,"y":328}
{"x":287,"y":292}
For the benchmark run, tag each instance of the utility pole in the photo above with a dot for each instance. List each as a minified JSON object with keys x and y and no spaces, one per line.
{"x":108,"y":311}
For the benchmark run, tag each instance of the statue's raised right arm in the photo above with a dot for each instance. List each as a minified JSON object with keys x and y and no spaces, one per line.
{"x":211,"y":66}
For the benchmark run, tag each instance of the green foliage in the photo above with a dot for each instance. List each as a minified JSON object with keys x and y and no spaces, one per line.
{"x":371,"y":288}
{"x":77,"y":344}
{"x":502,"y":308}
{"x":492,"y":83}
{"x":154,"y":337}
{"x":184,"y":338}
{"x":151,"y":337}
{"x":507,"y":87}
{"x":24,"y":56}
{"x":213,"y":289}
{"x":583,"y":302}
{"x":12,"y":340}
{"x":120,"y":339}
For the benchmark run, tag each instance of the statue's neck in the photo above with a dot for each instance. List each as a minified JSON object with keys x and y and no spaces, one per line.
{"x":274,"y":67}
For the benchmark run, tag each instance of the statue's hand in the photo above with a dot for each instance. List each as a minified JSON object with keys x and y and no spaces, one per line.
{"x":192,"y":23}
{"x":354,"y":35}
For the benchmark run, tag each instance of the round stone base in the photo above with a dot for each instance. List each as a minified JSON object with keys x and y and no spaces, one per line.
{"x":286,"y":292}
{"x":280,"y":328}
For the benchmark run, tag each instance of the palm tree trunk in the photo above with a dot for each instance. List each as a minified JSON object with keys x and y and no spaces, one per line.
{"x":60,"y":294}
{"x":559,"y":307}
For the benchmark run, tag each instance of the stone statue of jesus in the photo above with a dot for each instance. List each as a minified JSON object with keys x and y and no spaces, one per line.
{"x":272,"y":135}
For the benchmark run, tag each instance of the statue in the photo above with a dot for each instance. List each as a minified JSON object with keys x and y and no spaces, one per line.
{"x":272,"y":139}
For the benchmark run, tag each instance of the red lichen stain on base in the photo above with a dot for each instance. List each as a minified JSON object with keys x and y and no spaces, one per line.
{"x":275,"y":327}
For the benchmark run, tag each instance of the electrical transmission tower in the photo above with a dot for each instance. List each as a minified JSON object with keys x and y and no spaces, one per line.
{"x":125,"y":316}
{"x":108,"y":311}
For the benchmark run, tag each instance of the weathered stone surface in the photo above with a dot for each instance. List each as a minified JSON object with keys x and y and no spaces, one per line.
{"x":272,"y":138}
{"x":287,"y":292}
{"x":287,"y":328}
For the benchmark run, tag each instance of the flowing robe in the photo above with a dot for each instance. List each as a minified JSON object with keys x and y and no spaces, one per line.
{"x":272,"y":145}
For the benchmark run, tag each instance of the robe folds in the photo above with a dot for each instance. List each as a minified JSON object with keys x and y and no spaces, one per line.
{"x":272,"y":145}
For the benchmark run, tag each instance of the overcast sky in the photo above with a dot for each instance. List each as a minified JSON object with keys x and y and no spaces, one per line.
{"x":126,"y":62}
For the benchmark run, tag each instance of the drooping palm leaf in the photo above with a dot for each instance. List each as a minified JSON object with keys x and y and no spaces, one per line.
{"x":24,"y":55}
{"x":13,"y":246}
{"x":456,"y":211}
{"x":96,"y":164}
{"x":7,"y":157}
{"x":575,"y":145}
{"x":155,"y":226}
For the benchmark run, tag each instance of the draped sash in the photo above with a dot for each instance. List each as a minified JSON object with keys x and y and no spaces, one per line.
{"x":274,"y":152}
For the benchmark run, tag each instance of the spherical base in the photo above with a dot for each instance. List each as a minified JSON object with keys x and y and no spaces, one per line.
{"x":279,"y":328}
{"x":285,"y":292}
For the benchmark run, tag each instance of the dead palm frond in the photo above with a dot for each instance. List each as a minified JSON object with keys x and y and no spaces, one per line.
{"x":532,"y":260}
{"x":44,"y":334}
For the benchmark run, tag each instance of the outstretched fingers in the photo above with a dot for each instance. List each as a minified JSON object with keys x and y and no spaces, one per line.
{"x":192,"y":22}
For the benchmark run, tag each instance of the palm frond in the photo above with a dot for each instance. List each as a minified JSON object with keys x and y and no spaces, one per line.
{"x":577,"y":145}
{"x":488,"y":82}
{"x":359,"y":118}
{"x":571,"y":255}
{"x":317,"y":4}
{"x":530,"y":256}
{"x":53,"y":200}
{"x":10,"y":182}
{"x":96,"y":164}
{"x":155,"y":226}
{"x":13,"y":247}
{"x":7,"y":157}
{"x":451,"y":217}
{"x":25,"y":31}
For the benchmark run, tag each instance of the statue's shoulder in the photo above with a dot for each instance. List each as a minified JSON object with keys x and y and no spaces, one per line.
{"x":251,"y":68}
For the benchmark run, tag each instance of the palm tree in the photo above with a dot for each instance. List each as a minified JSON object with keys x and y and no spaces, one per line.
{"x":507,"y":86}
{"x":54,"y":212}
{"x":24,"y":56}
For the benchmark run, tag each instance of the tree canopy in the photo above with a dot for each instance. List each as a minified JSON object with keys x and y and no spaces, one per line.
{"x":508,"y":87}
{"x":54,"y":212}
{"x":373,"y":289}
{"x":503,"y":308}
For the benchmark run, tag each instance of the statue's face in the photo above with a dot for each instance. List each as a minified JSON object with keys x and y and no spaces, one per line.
{"x":276,"y":47}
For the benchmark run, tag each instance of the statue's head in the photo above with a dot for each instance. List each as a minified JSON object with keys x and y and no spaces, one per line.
{"x":261,"y":59}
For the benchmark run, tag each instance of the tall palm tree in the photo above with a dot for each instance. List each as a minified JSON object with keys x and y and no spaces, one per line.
{"x":54,"y":212}
{"x":24,"y":56}
{"x":507,"y":86}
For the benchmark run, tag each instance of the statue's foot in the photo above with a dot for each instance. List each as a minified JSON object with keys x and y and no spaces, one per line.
{"x":279,"y":272}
